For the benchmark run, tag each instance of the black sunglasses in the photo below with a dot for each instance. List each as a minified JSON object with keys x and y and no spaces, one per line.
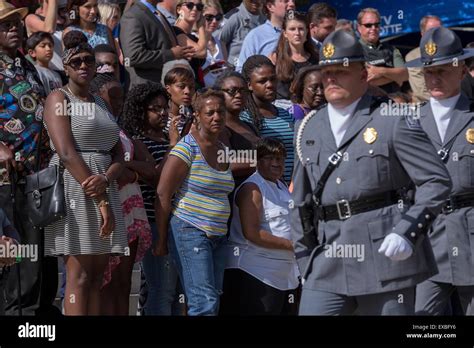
{"x":76,"y":63}
{"x":233,"y":91}
{"x":190,"y":6}
{"x":370,"y":25}
{"x":210,"y":17}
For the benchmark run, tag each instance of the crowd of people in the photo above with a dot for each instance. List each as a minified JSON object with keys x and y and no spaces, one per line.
{"x":141,"y":107}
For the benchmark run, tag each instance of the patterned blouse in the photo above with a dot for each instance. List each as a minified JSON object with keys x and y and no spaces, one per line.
{"x":99,"y":37}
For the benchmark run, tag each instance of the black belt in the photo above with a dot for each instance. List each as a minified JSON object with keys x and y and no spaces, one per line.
{"x":458,"y":202}
{"x":344,"y":209}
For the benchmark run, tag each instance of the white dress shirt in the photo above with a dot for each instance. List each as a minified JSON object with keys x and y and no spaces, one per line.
{"x":442,"y":110}
{"x":339,"y":119}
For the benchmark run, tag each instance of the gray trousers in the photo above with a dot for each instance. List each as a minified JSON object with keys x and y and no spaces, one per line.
{"x":318,"y":302}
{"x":432,"y":298}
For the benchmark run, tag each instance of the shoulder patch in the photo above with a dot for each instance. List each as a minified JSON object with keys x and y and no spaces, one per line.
{"x":413,"y":122}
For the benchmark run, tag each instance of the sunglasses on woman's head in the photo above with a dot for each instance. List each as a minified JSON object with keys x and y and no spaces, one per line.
{"x":190,"y":6}
{"x":76,"y":63}
{"x":210,"y":17}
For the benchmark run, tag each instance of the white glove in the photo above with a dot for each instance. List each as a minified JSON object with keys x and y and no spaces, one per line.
{"x":396,"y":247}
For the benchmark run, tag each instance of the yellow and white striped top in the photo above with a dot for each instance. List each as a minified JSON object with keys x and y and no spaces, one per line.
{"x":202,"y":200}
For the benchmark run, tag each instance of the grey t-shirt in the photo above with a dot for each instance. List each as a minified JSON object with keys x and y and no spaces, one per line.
{"x":50,"y":78}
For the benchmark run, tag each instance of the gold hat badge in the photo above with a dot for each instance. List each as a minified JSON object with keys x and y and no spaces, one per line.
{"x":470,"y":135}
{"x":328,"y":50}
{"x":430,"y":48}
{"x":370,"y":135}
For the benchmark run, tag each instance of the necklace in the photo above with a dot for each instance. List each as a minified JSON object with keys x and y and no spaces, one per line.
{"x":81,"y":98}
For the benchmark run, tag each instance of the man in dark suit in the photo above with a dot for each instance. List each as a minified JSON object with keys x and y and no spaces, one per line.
{"x":148,"y":42}
{"x":355,"y":163}
{"x":448,"y":119}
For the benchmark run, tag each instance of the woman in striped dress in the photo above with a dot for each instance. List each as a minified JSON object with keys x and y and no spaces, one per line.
{"x":193,"y":189}
{"x":269,"y":120}
{"x":86,"y":142}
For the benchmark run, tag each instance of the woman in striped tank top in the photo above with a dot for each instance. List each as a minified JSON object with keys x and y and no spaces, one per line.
{"x":193,"y":189}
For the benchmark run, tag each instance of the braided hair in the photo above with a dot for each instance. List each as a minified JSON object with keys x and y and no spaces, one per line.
{"x":100,"y":80}
{"x":135,"y":107}
{"x":250,"y":65}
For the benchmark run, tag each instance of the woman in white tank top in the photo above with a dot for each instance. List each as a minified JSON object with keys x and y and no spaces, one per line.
{"x":264,"y":272}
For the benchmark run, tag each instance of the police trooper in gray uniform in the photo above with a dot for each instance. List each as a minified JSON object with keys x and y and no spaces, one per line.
{"x":448,"y":119}
{"x":354,"y":165}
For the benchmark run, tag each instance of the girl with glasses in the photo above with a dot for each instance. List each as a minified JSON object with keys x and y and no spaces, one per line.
{"x":145,"y":116}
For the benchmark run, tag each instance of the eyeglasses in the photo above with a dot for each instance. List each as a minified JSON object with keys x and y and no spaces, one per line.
{"x":316,"y":89}
{"x":8,"y":25}
{"x":158,"y":110}
{"x":233,"y":91}
{"x":190,"y":6}
{"x":210,"y":17}
{"x":76,"y":63}
{"x":370,"y":25}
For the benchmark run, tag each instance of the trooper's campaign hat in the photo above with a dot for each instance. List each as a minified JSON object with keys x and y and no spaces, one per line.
{"x":440,"y":46}
{"x":340,"y":47}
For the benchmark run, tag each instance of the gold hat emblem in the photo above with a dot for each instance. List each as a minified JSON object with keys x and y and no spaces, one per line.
{"x":370,"y":135}
{"x":328,"y":50}
{"x":470,"y":135}
{"x":430,"y":48}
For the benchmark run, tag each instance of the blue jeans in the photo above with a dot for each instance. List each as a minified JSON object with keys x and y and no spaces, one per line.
{"x":162,"y":281}
{"x":200,"y":262}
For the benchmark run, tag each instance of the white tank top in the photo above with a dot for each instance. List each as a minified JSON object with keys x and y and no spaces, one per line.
{"x":274,"y":267}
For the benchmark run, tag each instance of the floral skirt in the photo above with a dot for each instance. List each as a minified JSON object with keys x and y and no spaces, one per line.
{"x":136,"y":224}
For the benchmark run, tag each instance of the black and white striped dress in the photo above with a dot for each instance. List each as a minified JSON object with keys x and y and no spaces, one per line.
{"x":78,"y":232}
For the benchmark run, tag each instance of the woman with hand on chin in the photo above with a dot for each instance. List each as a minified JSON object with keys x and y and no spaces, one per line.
{"x":193,"y":190}
{"x":85,"y":140}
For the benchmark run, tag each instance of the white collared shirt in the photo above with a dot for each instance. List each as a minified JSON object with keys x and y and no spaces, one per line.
{"x":339,"y":119}
{"x":442,"y":110}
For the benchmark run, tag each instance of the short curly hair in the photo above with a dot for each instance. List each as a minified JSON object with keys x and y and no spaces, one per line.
{"x":135,"y":107}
